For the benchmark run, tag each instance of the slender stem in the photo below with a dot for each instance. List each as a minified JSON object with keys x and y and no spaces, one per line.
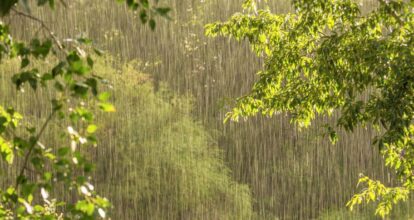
{"x":32,"y":146}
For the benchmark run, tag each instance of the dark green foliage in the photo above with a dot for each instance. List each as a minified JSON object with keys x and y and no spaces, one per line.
{"x":40,"y":169}
{"x":16,"y":141}
{"x":6,"y":5}
{"x":147,"y":11}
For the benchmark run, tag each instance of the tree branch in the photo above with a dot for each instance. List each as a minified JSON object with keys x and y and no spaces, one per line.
{"x":32,"y":146}
{"x":42,"y":24}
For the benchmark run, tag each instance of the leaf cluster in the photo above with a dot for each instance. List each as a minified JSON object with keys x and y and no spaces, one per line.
{"x":328,"y":55}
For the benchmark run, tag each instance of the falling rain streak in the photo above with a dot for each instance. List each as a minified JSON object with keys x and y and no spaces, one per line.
{"x":166,"y":153}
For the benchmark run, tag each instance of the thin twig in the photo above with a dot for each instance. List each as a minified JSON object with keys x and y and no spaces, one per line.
{"x":32,"y":146}
{"x":42,"y":24}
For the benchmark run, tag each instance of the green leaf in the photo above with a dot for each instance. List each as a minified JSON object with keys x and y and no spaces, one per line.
{"x":92,"y":129}
{"x":58,"y":69}
{"x":25,"y":62}
{"x":103,"y":97}
{"x":63,"y":151}
{"x":30,"y":76}
{"x":37,"y":162}
{"x":93,"y":84}
{"x":88,"y":167}
{"x":80,"y":89}
{"x":46,"y":77}
{"x":77,"y":65}
{"x":98,"y":51}
{"x":90,"y":61}
{"x":163,"y":11}
{"x":47,"y":176}
{"x":39,"y":49}
{"x":6,"y":151}
{"x":143,"y":16}
{"x":152,"y":24}
{"x":106,"y":107}
{"x":85,"y":207}
{"x":28,"y":189}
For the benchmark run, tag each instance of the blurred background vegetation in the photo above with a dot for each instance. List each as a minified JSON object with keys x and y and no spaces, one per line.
{"x":166,"y":154}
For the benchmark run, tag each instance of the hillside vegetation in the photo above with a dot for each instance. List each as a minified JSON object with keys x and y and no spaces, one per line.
{"x":154,"y":161}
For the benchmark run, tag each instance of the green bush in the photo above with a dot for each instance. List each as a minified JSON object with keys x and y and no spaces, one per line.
{"x":153,"y":160}
{"x":164,"y":164}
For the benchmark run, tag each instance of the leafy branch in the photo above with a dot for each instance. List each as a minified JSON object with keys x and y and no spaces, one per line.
{"x":72,"y":79}
{"x":33,"y":144}
{"x":364,"y":55}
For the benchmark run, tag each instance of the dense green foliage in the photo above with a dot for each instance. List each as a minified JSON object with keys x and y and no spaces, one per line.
{"x":43,"y":167}
{"x":326,"y":56}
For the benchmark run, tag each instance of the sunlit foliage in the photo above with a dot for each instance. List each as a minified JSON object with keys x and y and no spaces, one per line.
{"x":172,"y":168}
{"x":324,"y":56}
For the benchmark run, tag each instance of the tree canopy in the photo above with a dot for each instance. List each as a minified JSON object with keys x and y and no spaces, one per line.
{"x":327,"y":55}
